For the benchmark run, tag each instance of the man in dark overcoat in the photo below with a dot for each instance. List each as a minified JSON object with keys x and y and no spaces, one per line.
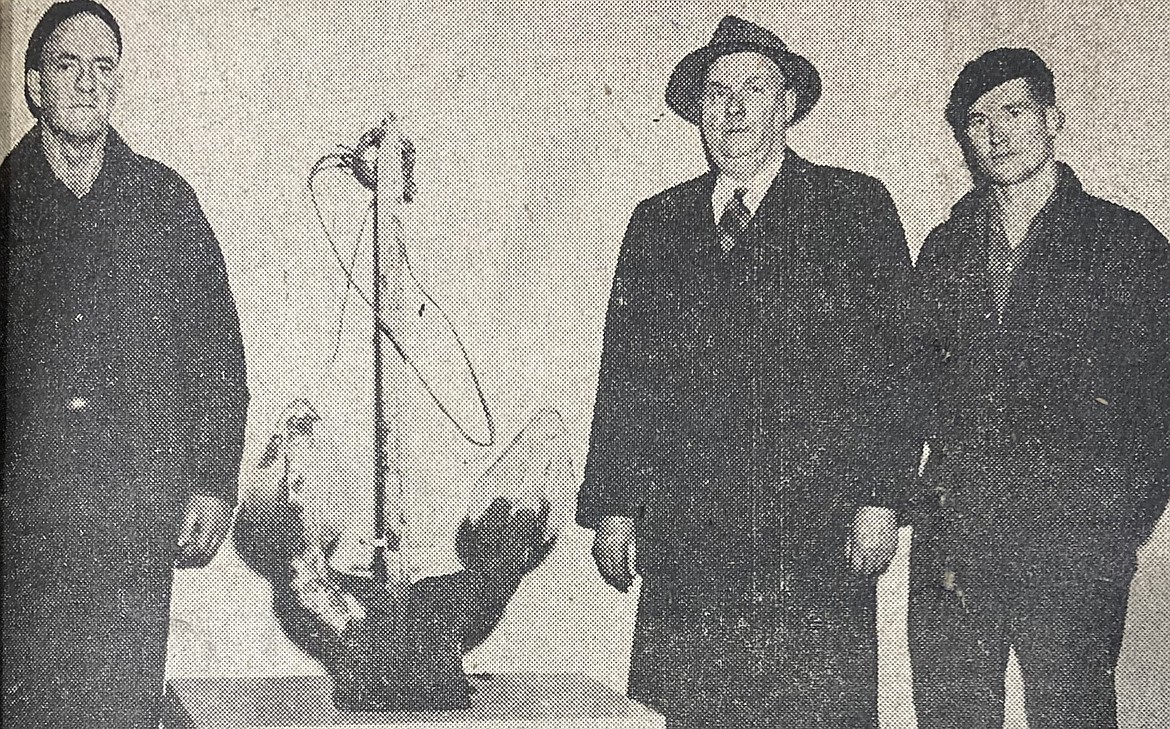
{"x":124,"y":394}
{"x":1050,"y":384}
{"x":751,"y":430}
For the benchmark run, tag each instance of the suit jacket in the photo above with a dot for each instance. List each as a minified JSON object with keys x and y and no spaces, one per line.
{"x":1049,"y":429}
{"x":749,"y":402}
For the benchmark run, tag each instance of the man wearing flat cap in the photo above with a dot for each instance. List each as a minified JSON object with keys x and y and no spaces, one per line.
{"x":1049,"y":311}
{"x":124,"y":393}
{"x":752,"y":430}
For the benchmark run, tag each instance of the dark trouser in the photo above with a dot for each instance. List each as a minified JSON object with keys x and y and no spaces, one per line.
{"x":730,"y":654}
{"x":88,"y":547}
{"x":84,"y":664}
{"x":1065,"y":626}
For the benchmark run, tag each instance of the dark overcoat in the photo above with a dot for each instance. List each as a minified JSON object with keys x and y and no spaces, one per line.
{"x":124,"y":394}
{"x":748,"y":403}
{"x":1048,"y":428}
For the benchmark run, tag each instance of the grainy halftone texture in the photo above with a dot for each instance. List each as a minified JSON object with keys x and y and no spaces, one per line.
{"x":539,"y":127}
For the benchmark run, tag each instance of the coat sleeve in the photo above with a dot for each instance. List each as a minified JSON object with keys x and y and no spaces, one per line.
{"x":928,"y":351}
{"x":621,"y":460}
{"x":887,"y":431}
{"x":929,"y":348}
{"x":211,"y":355}
{"x":1148,"y":352}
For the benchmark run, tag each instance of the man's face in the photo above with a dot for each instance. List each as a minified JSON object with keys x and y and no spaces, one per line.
{"x":746,"y":110}
{"x":77,"y":82}
{"x":1009,"y":134}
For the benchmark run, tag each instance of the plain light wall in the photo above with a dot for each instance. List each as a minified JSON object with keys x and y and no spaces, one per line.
{"x":539,"y":125}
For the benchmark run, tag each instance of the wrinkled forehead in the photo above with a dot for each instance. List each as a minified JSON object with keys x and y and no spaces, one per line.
{"x":84,"y":36}
{"x":733,"y":68}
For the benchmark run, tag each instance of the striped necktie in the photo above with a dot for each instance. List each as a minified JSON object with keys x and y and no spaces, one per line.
{"x":733,"y":221}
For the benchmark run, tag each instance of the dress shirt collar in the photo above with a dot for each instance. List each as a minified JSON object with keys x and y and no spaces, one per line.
{"x":757,"y":187}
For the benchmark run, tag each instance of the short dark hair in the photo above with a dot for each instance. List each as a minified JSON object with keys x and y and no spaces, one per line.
{"x":57,"y":14}
{"x":1042,"y":89}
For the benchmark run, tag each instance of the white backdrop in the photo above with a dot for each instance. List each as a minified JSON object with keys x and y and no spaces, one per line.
{"x":539,"y":125}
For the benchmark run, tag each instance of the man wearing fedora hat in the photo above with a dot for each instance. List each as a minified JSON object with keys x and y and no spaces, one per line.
{"x":1049,"y":310}
{"x":752,"y":430}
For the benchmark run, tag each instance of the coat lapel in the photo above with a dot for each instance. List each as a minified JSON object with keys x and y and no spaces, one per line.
{"x":696,"y":250}
{"x":782,"y":236}
{"x":967,"y":278}
{"x":698,"y":219}
{"x":1054,"y":254}
{"x":780,"y":213}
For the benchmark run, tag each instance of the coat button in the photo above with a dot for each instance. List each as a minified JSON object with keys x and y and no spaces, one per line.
{"x":78,"y":403}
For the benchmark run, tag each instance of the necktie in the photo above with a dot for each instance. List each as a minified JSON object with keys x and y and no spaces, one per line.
{"x":733,"y":221}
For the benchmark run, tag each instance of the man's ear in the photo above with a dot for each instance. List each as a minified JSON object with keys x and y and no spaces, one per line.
{"x":790,"y":105}
{"x":1053,"y":120}
{"x":32,"y":85}
{"x":117,"y":81}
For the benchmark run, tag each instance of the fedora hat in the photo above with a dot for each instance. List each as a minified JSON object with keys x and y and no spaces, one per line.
{"x":684,"y":91}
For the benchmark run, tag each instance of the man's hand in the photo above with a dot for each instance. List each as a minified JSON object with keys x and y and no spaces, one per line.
{"x":205,"y":524}
{"x":873,"y":541}
{"x":612,"y":547}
